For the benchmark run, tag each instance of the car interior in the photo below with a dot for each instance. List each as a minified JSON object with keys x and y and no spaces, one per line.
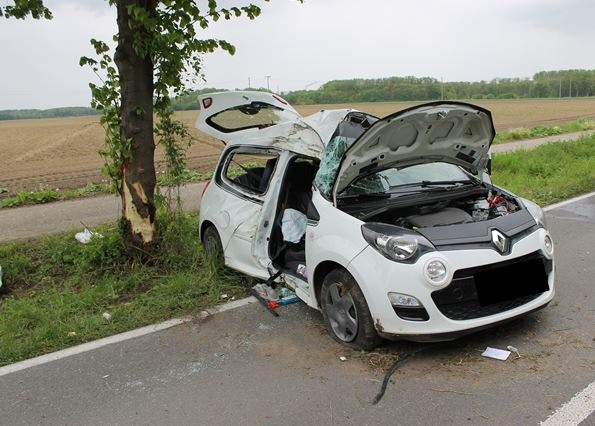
{"x":296,"y":193}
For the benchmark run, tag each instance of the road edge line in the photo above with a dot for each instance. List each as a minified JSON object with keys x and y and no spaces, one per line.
{"x":569,"y":201}
{"x":127,"y":335}
{"x":574,"y":411}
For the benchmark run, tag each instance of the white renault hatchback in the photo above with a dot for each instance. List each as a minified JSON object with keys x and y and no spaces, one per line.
{"x":390,"y":226}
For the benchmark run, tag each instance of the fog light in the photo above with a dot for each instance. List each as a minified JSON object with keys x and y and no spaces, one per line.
{"x":436,"y":272}
{"x":548,"y":244}
{"x":398,"y":299}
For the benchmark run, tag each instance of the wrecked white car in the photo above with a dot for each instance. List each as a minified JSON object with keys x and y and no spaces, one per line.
{"x":390,"y":227}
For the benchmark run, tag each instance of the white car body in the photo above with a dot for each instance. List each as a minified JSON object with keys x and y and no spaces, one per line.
{"x":247,"y":218}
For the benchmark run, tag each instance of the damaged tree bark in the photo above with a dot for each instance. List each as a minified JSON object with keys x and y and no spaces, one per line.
{"x":138,"y":169}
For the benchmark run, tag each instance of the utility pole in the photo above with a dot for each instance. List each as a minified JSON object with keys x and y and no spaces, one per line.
{"x":268,"y":77}
{"x":441,"y":88}
{"x":249,"y":83}
{"x":570,"y":89}
{"x":560,"y":91}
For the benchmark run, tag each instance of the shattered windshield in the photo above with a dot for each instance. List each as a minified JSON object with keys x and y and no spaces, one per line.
{"x":329,"y":163}
{"x":347,"y":132}
{"x":392,"y":179}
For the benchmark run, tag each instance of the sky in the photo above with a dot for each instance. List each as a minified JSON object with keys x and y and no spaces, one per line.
{"x":301,"y":46}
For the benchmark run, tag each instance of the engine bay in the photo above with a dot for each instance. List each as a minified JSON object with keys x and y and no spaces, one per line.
{"x":473,"y":208}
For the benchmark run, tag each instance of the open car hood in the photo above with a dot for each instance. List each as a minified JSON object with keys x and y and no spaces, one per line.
{"x":450,"y":132}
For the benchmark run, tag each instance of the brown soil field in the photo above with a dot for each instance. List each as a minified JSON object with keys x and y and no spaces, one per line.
{"x":62,"y":152}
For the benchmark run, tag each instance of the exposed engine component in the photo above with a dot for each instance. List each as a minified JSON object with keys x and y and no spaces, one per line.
{"x":454,"y":212}
{"x":447,"y":216}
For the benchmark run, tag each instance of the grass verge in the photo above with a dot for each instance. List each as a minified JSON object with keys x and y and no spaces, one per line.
{"x":543,"y":131}
{"x":549,"y":173}
{"x":46,"y":195}
{"x":56,"y":290}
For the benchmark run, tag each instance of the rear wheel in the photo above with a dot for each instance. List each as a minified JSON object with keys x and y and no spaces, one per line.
{"x":346,"y":312}
{"x":212,"y":245}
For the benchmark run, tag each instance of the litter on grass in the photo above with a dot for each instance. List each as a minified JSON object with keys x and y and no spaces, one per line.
{"x":86,"y":236}
{"x":499,"y":354}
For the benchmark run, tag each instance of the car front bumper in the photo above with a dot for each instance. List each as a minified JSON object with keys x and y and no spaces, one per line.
{"x":454,"y":309}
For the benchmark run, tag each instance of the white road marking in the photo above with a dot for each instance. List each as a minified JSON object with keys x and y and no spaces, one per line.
{"x":566,"y":202}
{"x":85,"y":347}
{"x":574,"y":411}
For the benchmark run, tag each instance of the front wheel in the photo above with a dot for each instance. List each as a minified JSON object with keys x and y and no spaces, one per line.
{"x":346,"y":312}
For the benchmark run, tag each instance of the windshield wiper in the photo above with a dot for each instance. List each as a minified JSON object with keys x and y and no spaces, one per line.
{"x":364,"y":195}
{"x":454,"y":183}
{"x":432,"y":186}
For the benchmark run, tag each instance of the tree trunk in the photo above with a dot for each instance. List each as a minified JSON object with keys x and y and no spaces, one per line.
{"x":138,"y":172}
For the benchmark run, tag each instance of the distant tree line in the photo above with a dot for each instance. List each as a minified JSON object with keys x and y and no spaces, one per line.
{"x":21,"y":114}
{"x":545,"y":84}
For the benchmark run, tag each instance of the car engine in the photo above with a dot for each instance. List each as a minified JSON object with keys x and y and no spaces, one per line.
{"x":451,"y":212}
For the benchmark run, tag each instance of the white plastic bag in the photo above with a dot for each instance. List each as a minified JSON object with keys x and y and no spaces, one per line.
{"x":86,"y":236}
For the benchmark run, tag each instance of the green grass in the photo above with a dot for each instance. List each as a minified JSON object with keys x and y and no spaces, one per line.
{"x":541,"y":131}
{"x":56,"y":290}
{"x":46,"y":195}
{"x":548,"y":173}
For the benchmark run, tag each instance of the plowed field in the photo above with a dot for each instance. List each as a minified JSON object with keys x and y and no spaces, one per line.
{"x":62,"y":152}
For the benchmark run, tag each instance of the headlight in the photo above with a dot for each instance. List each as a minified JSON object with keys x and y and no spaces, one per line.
{"x":536,"y":212}
{"x":548,"y":244}
{"x":396,"y":243}
{"x":436,"y":272}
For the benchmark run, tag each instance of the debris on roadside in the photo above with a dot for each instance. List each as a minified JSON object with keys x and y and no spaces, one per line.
{"x":71,"y":333}
{"x":266,"y":292}
{"x":224,"y":296}
{"x":272,"y":298}
{"x":514,"y":351}
{"x":494,"y":353}
{"x":343,"y":358}
{"x":86,"y":236}
{"x":107,"y":316}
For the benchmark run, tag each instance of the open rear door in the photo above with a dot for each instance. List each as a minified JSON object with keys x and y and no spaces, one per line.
{"x":227,"y":115}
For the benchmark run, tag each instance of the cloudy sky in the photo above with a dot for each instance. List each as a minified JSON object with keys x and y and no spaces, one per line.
{"x":303,"y":45}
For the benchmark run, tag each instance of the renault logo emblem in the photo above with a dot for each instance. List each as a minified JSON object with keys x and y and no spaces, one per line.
{"x":500,"y":241}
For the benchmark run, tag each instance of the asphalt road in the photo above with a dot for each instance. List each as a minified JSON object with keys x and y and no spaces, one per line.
{"x":247,"y":367}
{"x":33,"y":221}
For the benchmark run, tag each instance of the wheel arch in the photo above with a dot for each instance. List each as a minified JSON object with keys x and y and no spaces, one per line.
{"x":321,"y":271}
{"x":203,"y":227}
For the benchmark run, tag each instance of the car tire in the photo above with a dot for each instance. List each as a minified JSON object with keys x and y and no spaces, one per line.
{"x":212,"y":244}
{"x":346,"y":313}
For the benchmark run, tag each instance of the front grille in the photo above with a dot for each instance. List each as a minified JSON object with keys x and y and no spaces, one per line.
{"x":491,"y":289}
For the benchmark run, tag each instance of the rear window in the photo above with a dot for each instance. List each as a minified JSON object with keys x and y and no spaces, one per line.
{"x":252,"y":115}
